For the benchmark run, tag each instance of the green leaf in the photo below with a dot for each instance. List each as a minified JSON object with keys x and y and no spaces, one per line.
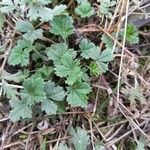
{"x":24,"y":26}
{"x":106,"y":55}
{"x":49,"y":107}
{"x":141,"y":143}
{"x":36,"y":2}
{"x":53,"y":93}
{"x":43,"y":72}
{"x":102,"y":58}
{"x":39,"y":51}
{"x":131,"y":34}
{"x":77,"y":94}
{"x":80,"y":139}
{"x":44,"y":13}
{"x":140,"y":146}
{"x":43,"y":145}
{"x":2,"y":20}
{"x":10,"y":92}
{"x":69,"y":68}
{"x":62,"y":25}
{"x":29,"y":32}
{"x":56,"y":51}
{"x":84,"y":9}
{"x":20,"y":110}
{"x":100,"y":147}
{"x":108,"y":42}
{"x":20,"y":53}
{"x":38,"y":11}
{"x":95,"y":53}
{"x":16,"y":77}
{"x":33,"y":91}
{"x":7,"y":6}
{"x":105,"y":6}
{"x":86,"y":46}
{"x":58,"y":10}
{"x":34,"y":35}
{"x":62,"y":146}
{"x":134,"y":93}
{"x":94,"y":69}
{"x":80,"y":1}
{"x":61,"y":106}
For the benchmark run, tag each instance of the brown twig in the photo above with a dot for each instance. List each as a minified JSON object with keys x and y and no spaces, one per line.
{"x":123,"y":136}
{"x":4,"y":136}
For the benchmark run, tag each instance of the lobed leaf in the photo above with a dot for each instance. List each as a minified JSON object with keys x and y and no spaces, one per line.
{"x":62,"y":25}
{"x":33,"y":91}
{"x":56,"y":51}
{"x":85,"y":47}
{"x":77,"y":94}
{"x":80,"y":139}
{"x":53,"y":93}
{"x":20,"y":53}
{"x":20,"y":111}
{"x":84,"y":9}
{"x":69,"y":68}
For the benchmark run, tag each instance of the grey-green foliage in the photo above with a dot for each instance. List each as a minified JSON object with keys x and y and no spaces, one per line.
{"x":80,"y":138}
{"x":56,"y":52}
{"x":100,"y":147}
{"x":77,"y":94}
{"x":2,"y":20}
{"x":7,"y":6}
{"x":37,"y":9}
{"x":20,"y":110}
{"x":69,"y":68}
{"x":84,"y":9}
{"x":62,"y":25}
{"x":132,"y":34}
{"x":107,"y":41}
{"x":50,"y":65}
{"x":29,"y":32}
{"x":105,"y":6}
{"x":44,"y":13}
{"x":33,"y":92}
{"x":133,"y":94}
{"x":141,"y":143}
{"x":53,"y":93}
{"x":63,"y":146}
{"x":20,"y":53}
{"x":16,"y":77}
{"x":85,"y":47}
{"x":102,"y":58}
{"x":10,"y":92}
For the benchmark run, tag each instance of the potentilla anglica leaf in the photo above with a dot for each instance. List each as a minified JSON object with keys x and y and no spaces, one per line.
{"x":70,"y":69}
{"x":80,"y":138}
{"x":62,"y":25}
{"x":84,"y":9}
{"x":33,"y":91}
{"x":20,"y":53}
{"x":53,"y":93}
{"x":56,"y":51}
{"x":77,"y":94}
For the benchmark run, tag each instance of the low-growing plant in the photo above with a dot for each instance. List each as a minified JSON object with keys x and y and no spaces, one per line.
{"x":59,"y":77}
{"x":49,"y":73}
